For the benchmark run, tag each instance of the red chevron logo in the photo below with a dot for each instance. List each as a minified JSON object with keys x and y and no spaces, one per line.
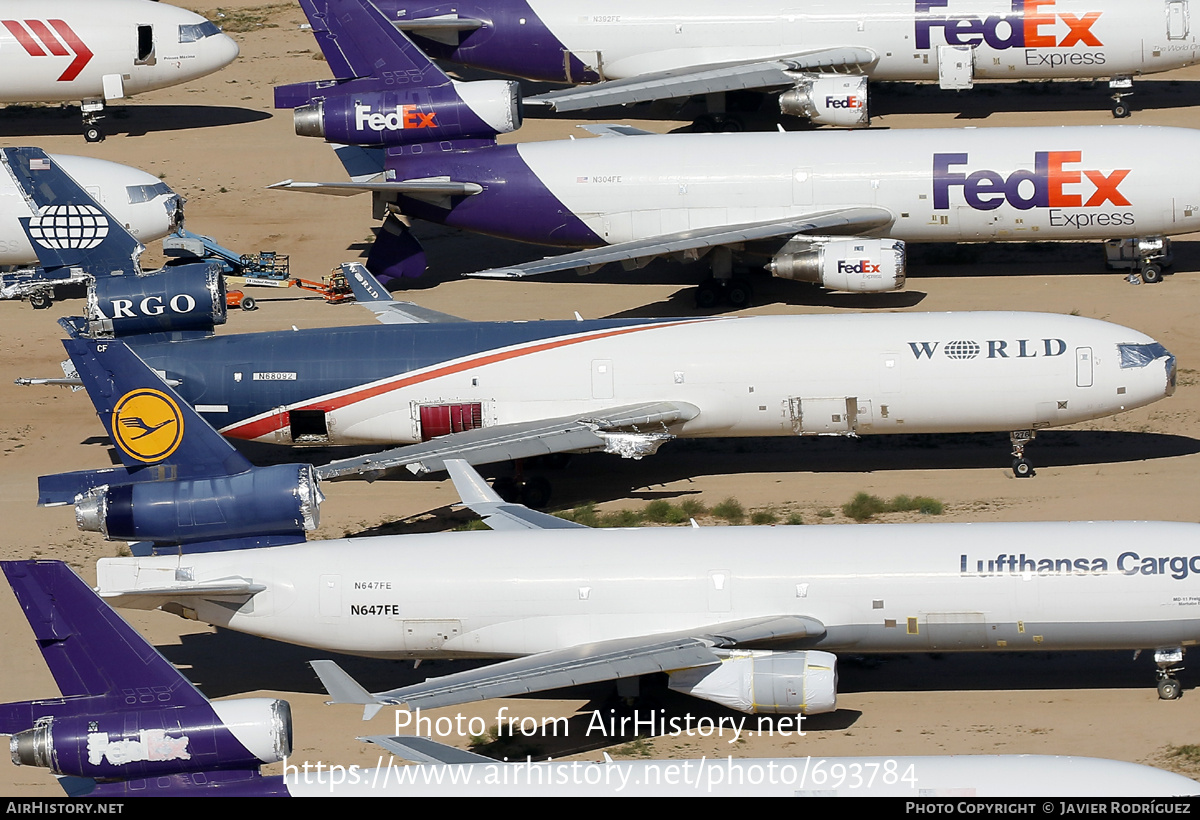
{"x":39,"y":41}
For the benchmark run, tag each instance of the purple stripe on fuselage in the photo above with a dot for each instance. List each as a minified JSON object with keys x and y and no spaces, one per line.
{"x":514,"y":204}
{"x":513,"y":40}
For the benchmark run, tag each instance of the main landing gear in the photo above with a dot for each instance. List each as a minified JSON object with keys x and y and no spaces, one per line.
{"x":1020,"y":467}
{"x":1169,"y":661}
{"x":723,"y":287}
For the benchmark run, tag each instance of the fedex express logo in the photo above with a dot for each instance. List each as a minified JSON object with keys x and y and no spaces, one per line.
{"x":844,"y":102}
{"x":1056,"y":181}
{"x":1029,"y":26}
{"x":865,"y":267}
{"x":405,"y":116}
{"x":38,"y":40}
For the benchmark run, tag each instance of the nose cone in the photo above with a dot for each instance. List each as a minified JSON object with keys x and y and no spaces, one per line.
{"x":224,"y":50}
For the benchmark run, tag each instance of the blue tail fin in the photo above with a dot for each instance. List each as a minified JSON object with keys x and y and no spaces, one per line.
{"x":70,"y":230}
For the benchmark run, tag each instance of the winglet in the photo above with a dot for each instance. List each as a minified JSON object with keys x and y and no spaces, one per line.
{"x":493,"y":509}
{"x":70,"y":229}
{"x":345,"y":689}
{"x":471,"y":487}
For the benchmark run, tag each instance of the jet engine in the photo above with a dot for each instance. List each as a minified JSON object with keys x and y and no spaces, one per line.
{"x":158,"y":742}
{"x":828,"y":100}
{"x":759,"y":682}
{"x":276,"y":500}
{"x":182,"y":298}
{"x":860,"y":265}
{"x":478,"y":110}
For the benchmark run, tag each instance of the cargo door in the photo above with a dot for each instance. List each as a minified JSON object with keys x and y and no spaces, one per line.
{"x":956,"y":630}
{"x":825,"y":417}
{"x":444,"y":419}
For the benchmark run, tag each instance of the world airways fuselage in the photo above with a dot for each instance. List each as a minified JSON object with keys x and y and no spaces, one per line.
{"x":987,"y":184}
{"x":875,"y":588}
{"x":747,"y":376}
{"x":584,"y":40}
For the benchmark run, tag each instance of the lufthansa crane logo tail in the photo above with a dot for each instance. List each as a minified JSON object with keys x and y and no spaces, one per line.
{"x":147,"y":425}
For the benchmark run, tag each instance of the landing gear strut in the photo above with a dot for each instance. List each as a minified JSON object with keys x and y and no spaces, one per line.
{"x":93,"y":115}
{"x":1020,"y":467}
{"x":1168,"y":661}
{"x":1120,"y":87}
{"x":723,"y":286}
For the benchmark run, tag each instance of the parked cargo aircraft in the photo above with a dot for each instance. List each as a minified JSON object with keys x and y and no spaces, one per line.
{"x":833,"y":209}
{"x":496,"y":391}
{"x":818,"y":56}
{"x":103,"y":50}
{"x":743,"y":617}
{"x":102,"y":746}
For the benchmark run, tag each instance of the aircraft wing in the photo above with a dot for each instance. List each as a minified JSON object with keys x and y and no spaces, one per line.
{"x":630,"y":430}
{"x":371,"y":294}
{"x":695,"y":243}
{"x":439,"y":186}
{"x":688,"y":82}
{"x":586,"y":663}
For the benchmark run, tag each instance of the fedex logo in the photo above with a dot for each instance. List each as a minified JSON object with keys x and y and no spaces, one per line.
{"x":405,"y":116}
{"x":843,"y":102}
{"x":36,"y":37}
{"x":1032,"y":24}
{"x":1054,"y":182}
{"x":857,"y":267}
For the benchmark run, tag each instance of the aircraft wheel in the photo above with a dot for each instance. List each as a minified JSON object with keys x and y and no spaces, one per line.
{"x":731,"y":125}
{"x":1120,"y":110}
{"x":40,"y":301}
{"x":248,"y":303}
{"x":704,"y":125}
{"x":93,"y":133}
{"x":506,"y":488}
{"x":1022,"y":468}
{"x":1169,"y":689}
{"x":536,"y":493}
{"x":1152,"y":274}
{"x":739,"y":294}
{"x":708,"y":295}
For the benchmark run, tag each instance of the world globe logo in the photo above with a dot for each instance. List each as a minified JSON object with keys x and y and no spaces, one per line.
{"x":961,"y":350}
{"x":69,"y":226}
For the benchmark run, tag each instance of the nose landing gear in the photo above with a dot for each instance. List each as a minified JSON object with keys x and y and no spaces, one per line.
{"x":1168,"y":660}
{"x":1020,"y":467}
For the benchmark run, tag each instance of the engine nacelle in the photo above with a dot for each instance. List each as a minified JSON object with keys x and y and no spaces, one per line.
{"x":275,"y":500}
{"x":467,"y":110}
{"x":157,"y":742}
{"x":828,"y":100}
{"x":859,"y":265}
{"x":771,"y":683}
{"x":185,"y":297}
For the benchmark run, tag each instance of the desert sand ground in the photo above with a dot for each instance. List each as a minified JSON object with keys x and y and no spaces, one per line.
{"x":219,"y":143}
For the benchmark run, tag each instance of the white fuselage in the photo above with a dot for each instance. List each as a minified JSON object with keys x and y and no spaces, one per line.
{"x":141,"y":202}
{"x":747,"y":376}
{"x":61,"y":50}
{"x":874,"y":588}
{"x":989,"y":184}
{"x":1011,"y":41}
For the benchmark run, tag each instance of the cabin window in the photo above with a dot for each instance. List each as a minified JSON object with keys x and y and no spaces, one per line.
{"x":145,"y":45}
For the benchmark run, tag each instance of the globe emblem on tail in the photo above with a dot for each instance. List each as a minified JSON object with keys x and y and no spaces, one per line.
{"x":69,"y":226}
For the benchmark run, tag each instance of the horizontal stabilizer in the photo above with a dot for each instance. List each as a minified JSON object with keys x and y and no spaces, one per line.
{"x":443,"y":187}
{"x":697,"y":241}
{"x":424,"y":750}
{"x":505,"y":442}
{"x":494,"y":510}
{"x":688,"y":82}
{"x":371,"y":294}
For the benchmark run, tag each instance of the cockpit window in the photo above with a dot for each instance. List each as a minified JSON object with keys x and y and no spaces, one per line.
{"x":1140,"y":355}
{"x":145,"y":193}
{"x":198,"y":31}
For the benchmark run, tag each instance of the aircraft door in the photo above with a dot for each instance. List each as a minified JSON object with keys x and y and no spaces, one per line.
{"x":956,"y":630}
{"x":145,"y":46}
{"x":593,"y":66}
{"x":956,"y":67}
{"x":429,"y":635}
{"x":828,"y":417}
{"x":1083,"y":367}
{"x":1178,"y":22}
